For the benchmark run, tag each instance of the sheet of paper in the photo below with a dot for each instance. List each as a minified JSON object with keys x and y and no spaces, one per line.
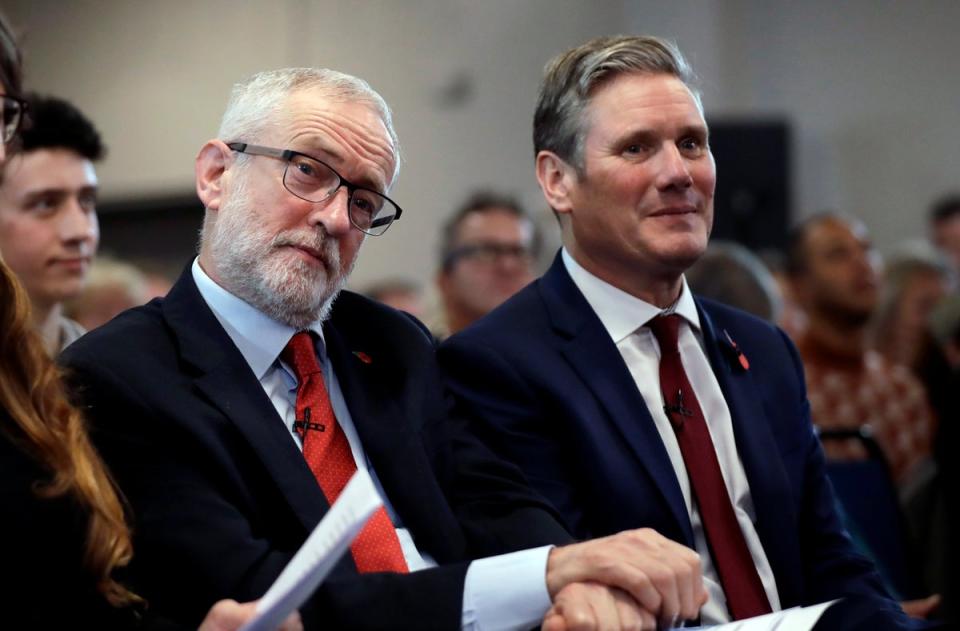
{"x":793,"y":619}
{"x":318,"y":554}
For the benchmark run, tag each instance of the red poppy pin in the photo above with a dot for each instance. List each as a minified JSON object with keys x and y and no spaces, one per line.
{"x":363,"y":357}
{"x":735,"y":350}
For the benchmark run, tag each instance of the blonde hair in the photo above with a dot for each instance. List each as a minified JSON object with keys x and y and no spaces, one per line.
{"x":48,"y":428}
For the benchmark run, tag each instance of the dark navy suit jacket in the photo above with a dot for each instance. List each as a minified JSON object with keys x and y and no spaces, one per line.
{"x":221,"y":497}
{"x":546,"y":387}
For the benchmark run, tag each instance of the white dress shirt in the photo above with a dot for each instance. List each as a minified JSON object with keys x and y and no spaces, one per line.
{"x":503,"y":592}
{"x":625,"y":318}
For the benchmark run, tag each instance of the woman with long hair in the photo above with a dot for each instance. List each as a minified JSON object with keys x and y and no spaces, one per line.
{"x":63,"y":537}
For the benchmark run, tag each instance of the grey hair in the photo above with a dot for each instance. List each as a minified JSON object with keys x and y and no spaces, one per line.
{"x":259,"y":102}
{"x":730,"y":273}
{"x":571,"y":78}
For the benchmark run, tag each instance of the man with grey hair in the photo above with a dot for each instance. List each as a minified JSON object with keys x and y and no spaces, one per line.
{"x":233,"y":411}
{"x":627,"y":401}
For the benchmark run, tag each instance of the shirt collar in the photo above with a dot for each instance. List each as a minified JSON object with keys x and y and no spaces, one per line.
{"x":621,"y":313}
{"x":258,"y":337}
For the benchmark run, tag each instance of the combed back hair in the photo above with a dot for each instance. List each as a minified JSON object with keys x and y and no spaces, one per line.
{"x":48,"y":428}
{"x":795,"y":263}
{"x":483,"y":201}
{"x":259,"y":102}
{"x":571,"y":78}
{"x":947,"y":207}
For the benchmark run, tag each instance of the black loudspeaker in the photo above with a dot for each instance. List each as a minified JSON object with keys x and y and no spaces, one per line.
{"x":753,"y":204}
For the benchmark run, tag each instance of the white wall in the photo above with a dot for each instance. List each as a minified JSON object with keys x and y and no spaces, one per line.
{"x":870,"y":87}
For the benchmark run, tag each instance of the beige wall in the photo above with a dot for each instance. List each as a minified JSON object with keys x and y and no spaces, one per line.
{"x":870,"y":87}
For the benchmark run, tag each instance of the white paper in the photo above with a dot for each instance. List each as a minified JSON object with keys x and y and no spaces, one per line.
{"x":793,"y":619}
{"x":318,"y":554}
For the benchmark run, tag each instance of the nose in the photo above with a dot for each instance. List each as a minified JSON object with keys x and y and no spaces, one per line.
{"x":3,"y":153}
{"x":333,"y":213}
{"x":674,"y":172}
{"x":78,"y":223}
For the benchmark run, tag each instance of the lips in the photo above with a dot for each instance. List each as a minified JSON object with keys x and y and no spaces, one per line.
{"x":308,"y":252}
{"x":75,"y":262}
{"x":675,"y":210}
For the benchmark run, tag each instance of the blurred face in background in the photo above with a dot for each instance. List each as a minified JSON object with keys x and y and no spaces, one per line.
{"x":491,"y":260}
{"x":48,"y":222}
{"x":946,"y":236}
{"x":840,"y":280}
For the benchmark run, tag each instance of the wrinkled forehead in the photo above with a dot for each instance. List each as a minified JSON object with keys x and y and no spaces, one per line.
{"x":348,"y":133}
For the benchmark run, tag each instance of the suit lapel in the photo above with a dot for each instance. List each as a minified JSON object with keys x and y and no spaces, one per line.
{"x":591,"y":353}
{"x":756,"y":448}
{"x":224,"y":378}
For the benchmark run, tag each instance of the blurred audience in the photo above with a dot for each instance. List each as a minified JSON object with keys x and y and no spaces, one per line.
{"x":729,"y":273}
{"x":834,"y":271}
{"x":112,"y":286}
{"x":945,"y":227}
{"x":792,"y":319}
{"x":914,"y":283}
{"x":487,"y":254}
{"x":48,"y":218}
{"x":399,"y":293}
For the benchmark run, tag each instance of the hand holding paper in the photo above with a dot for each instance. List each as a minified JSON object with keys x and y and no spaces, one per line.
{"x":319,"y":553}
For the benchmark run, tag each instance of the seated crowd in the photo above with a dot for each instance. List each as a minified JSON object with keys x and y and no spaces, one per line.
{"x":607,"y":445}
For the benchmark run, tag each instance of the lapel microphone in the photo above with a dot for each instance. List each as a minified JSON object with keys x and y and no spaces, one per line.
{"x":677,"y":408}
{"x":301,"y":427}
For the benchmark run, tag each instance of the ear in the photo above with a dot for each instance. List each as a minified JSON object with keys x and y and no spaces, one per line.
{"x":556,"y":179}
{"x":210,"y":166}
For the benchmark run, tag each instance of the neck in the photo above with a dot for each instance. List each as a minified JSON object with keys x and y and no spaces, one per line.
{"x":46,"y":320}
{"x":839,"y":337}
{"x":658,"y":288}
{"x":457,"y":319}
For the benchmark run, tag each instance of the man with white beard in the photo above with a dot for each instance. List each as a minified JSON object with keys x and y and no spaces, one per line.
{"x":232,"y":411}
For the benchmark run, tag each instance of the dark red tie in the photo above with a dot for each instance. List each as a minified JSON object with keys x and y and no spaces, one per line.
{"x":738,"y":574}
{"x":327,"y":452}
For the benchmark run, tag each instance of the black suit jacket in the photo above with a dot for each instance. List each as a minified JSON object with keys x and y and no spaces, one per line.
{"x":547,"y":388}
{"x":221,"y":497}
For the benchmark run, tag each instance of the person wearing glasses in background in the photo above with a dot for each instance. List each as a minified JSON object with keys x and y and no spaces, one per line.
{"x":233,"y":410}
{"x":63,"y":538}
{"x":488,"y":252}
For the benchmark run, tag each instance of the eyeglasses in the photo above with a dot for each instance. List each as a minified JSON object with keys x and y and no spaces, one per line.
{"x":315,"y":181}
{"x":13,"y":109}
{"x":488,"y":253}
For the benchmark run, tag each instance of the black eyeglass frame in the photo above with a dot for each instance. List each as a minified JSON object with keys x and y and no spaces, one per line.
{"x":24,"y":106}
{"x":287,"y":156}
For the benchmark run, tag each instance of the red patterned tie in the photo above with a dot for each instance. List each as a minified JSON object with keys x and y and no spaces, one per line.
{"x":738,"y":574}
{"x":327,"y":452}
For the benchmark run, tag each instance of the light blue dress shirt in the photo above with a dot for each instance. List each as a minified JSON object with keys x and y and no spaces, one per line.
{"x":503,"y":592}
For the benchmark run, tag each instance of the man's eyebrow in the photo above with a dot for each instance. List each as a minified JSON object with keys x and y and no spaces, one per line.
{"x":695,"y":130}
{"x":44,"y":192}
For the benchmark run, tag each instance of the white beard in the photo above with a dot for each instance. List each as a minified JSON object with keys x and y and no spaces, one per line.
{"x":259,"y":268}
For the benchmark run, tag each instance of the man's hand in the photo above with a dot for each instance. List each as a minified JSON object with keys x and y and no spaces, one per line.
{"x":229,"y":615}
{"x":661,"y":575}
{"x":592,"y":606}
{"x":922,"y":607}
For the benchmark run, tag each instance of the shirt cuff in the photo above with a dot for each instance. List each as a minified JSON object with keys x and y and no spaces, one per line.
{"x":508,"y":591}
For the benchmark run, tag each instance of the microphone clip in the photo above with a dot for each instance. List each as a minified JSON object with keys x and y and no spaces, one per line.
{"x":302,"y":427}
{"x":677,"y":409}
